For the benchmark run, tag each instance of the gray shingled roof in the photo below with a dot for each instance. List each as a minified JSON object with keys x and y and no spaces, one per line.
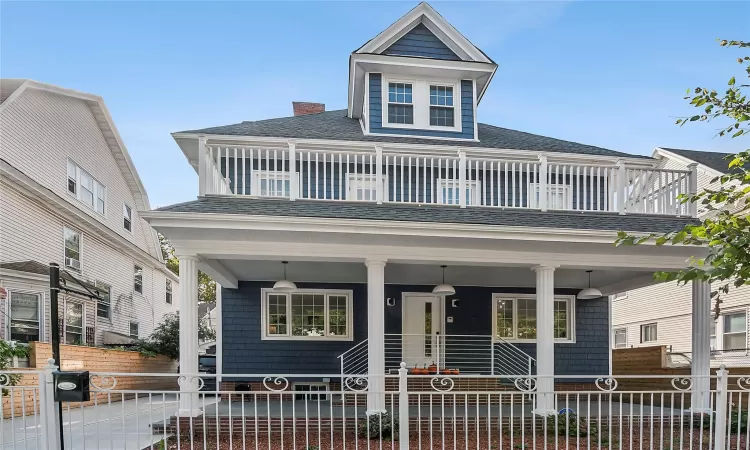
{"x":335,"y":125}
{"x":35,"y":267}
{"x":429,"y":213}
{"x":714,"y":160}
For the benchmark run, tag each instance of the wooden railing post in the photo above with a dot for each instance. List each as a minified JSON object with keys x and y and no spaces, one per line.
{"x":543,"y":183}
{"x":379,"y":184}
{"x":202,"y":166}
{"x":462,"y":179}
{"x":621,"y":186}
{"x":693,"y":188}
{"x":293,"y":185}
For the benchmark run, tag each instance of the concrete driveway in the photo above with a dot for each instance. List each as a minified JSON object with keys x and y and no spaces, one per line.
{"x":115,"y":426}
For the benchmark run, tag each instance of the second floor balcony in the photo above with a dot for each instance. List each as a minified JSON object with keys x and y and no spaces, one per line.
{"x":464,"y":178}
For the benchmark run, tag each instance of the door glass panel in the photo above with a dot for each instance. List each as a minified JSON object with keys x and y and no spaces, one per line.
{"x":428,"y":329}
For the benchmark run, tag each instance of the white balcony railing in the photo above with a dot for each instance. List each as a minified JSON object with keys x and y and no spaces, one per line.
{"x":463,"y":179}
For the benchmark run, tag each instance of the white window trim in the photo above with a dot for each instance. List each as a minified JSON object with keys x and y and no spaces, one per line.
{"x":168,"y":289}
{"x":40,"y":296}
{"x":614,"y":338}
{"x":109,"y":315}
{"x":421,"y":103}
{"x":620,"y":296}
{"x":259,"y":175}
{"x":138,"y":324}
{"x":719,"y":336}
{"x":372,"y":178}
{"x":570,"y":299}
{"x":641,"y":328}
{"x":143,"y":279}
{"x":456,"y":98}
{"x":80,"y":249}
{"x":566,"y":188}
{"x":97,"y":186}
{"x":272,"y":337}
{"x":64,"y":337}
{"x":125,"y":207}
{"x":322,"y":395}
{"x":474,"y":187}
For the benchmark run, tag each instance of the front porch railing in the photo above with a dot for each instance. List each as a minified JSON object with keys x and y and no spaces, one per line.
{"x":465,"y":178}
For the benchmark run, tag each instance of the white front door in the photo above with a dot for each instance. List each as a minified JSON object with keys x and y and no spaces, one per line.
{"x":421,"y":329}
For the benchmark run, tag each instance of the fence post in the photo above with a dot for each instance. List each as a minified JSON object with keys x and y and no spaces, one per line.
{"x":462,"y":179}
{"x":48,"y":411}
{"x":720,"y":426}
{"x":542,"y":183}
{"x":621,"y":186}
{"x":403,"y":408}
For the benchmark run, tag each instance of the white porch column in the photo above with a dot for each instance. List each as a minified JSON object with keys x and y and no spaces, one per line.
{"x":701,"y":340}
{"x":545,"y":340}
{"x":188,"y":336}
{"x":375,"y":336}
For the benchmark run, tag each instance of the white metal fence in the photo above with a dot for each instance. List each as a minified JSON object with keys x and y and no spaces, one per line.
{"x":318,"y":411}
{"x":464,"y":178}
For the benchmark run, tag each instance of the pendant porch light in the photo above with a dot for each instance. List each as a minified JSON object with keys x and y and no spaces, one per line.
{"x":284,"y":285}
{"x":589,"y":292}
{"x":442,"y":288}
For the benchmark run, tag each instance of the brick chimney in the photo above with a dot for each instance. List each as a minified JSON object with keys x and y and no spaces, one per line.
{"x":303,"y":108}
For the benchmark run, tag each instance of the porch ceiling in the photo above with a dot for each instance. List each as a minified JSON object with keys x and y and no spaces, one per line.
{"x":425,"y":274}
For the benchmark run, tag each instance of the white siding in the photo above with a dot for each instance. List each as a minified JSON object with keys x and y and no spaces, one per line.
{"x":40,"y":131}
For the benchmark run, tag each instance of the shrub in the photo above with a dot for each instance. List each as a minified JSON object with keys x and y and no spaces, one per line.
{"x":7,"y":351}
{"x":569,"y":424}
{"x":379,"y":426}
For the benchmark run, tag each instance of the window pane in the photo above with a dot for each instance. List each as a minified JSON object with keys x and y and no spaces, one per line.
{"x":337,"y":315}
{"x":505,"y":318}
{"x":399,"y":93}
{"x":277,"y":321}
{"x":735,"y":341}
{"x":72,"y":248}
{"x":134,"y":329}
{"x":74,"y":324}
{"x":100,"y":192}
{"x":72,"y":177}
{"x":401,"y":114}
{"x":87,"y":188}
{"x":734,"y":323}
{"x":308,"y":315}
{"x":138,"y":279}
{"x":102,"y":306}
{"x":441,"y":95}
{"x":561,"y":319}
{"x":526,"y":318}
{"x":441,"y":116}
{"x":24,"y":317}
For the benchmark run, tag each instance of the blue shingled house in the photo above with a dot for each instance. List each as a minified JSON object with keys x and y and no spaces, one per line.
{"x":403,"y":229}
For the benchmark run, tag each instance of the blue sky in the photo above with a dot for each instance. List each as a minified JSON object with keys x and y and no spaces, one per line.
{"x":610,"y":74}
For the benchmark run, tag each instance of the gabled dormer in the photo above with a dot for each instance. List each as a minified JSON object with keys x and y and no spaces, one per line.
{"x":420,"y":77}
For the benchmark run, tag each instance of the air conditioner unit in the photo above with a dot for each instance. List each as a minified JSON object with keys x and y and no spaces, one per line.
{"x":74,"y":263}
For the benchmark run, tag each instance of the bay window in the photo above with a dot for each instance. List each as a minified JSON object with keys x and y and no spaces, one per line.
{"x":514,"y":317}
{"x":307,"y":314}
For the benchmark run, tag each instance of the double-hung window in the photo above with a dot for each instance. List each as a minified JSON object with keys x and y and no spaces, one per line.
{"x":442,"y":113}
{"x":169,"y":291}
{"x":127,"y":217}
{"x":72,"y":242}
{"x":449,"y":192}
{"x":24,"y":316}
{"x":85,"y":188}
{"x":270,"y":183}
{"x":515,"y":317}
{"x":730,"y":331}
{"x":400,"y":103}
{"x":138,"y":279}
{"x":103,"y":305}
{"x":74,"y":323}
{"x":620,"y":338}
{"x":363,"y":186}
{"x":307,"y":314}
{"x":648,"y":333}
{"x":134,"y":330}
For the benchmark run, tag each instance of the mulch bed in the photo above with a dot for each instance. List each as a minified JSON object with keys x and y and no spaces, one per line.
{"x":470,"y":440}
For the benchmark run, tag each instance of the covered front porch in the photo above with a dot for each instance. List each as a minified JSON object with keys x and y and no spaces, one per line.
{"x":363,"y":301}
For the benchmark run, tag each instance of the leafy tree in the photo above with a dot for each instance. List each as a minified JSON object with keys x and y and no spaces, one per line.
{"x":9,"y":350}
{"x":165,"y":339}
{"x":725,"y":229}
{"x":206,"y":286}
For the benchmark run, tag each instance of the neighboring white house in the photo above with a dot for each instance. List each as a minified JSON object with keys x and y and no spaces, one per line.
{"x":69,"y":194}
{"x":661,"y":314}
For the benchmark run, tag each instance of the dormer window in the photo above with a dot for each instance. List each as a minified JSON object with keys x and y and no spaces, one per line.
{"x":441,"y":106}
{"x":400,"y":107}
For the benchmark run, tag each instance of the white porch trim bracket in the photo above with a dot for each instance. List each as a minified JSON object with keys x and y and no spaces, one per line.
{"x":188,"y":381}
{"x":375,"y":336}
{"x":701,"y":342}
{"x":545,"y":340}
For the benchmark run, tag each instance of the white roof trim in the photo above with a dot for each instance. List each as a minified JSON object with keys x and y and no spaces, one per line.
{"x":106,"y":125}
{"x":424,"y":13}
{"x":662,"y":153}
